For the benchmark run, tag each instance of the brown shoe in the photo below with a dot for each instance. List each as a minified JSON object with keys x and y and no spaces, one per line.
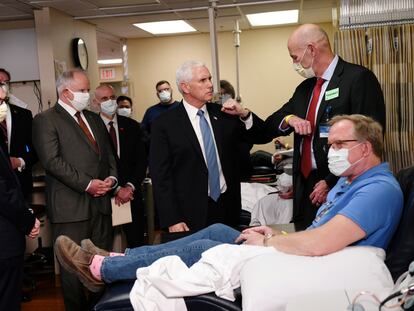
{"x":76,"y":260}
{"x":88,"y":245}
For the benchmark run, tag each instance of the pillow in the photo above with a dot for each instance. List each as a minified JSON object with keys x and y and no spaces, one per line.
{"x":271,"y":281}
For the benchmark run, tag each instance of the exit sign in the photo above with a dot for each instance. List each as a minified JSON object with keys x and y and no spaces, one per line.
{"x":107,"y":73}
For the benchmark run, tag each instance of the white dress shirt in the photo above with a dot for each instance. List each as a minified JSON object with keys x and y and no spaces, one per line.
{"x":195,"y":122}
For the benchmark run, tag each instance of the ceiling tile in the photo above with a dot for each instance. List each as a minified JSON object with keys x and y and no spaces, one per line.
{"x":109,"y":15}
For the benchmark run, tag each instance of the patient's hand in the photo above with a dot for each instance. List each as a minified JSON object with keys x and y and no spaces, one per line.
{"x":250,"y":238}
{"x":319,"y":193}
{"x":180,"y":227}
{"x":259,"y":229}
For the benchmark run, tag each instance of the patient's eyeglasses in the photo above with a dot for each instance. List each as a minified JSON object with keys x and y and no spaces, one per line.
{"x":338,"y":144}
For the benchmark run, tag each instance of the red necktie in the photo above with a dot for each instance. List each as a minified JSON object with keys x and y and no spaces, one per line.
{"x":306,"y":160}
{"x":88,"y":134}
{"x":112,"y":133}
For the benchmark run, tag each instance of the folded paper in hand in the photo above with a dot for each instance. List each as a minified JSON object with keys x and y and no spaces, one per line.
{"x":121,"y":214}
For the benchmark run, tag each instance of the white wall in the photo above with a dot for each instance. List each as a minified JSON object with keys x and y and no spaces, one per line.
{"x":267,"y":79}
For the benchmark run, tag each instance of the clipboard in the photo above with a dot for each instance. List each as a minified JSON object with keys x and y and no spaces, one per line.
{"x":121,"y":214}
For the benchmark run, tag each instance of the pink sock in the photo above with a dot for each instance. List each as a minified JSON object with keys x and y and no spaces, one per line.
{"x":95,"y":266}
{"x":113,"y":254}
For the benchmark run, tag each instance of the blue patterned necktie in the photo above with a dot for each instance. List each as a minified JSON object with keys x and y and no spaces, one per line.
{"x":210,"y":152}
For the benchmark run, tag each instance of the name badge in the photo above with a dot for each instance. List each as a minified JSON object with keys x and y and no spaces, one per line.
{"x":324,"y":130}
{"x":331,"y":94}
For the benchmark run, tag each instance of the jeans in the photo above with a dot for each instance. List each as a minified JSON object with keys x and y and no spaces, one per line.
{"x":189,"y":249}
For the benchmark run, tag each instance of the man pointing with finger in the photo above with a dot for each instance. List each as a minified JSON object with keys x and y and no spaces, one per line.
{"x":332,"y":87}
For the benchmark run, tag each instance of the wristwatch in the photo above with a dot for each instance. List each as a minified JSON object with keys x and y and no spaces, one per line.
{"x":266,"y":238}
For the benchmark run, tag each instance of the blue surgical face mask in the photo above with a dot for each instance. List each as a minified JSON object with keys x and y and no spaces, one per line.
{"x":109,"y":107}
{"x":224,"y":98}
{"x":165,"y":96}
{"x":125,"y":112}
{"x":6,"y":88}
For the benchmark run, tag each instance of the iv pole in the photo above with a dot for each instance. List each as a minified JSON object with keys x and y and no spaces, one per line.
{"x":237,"y":33}
{"x":214,"y":51}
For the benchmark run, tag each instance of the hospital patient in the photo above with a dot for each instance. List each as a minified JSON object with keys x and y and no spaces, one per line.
{"x":363,"y":208}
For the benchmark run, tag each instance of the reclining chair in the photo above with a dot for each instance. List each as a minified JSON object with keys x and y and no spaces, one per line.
{"x":400,"y":254}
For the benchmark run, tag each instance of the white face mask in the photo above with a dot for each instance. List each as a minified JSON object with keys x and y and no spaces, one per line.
{"x":109,"y":107}
{"x":3,"y":110}
{"x":125,"y":112}
{"x":165,"y":96}
{"x":304,"y":72}
{"x":80,"y":100}
{"x":5,"y":87}
{"x":338,"y":161}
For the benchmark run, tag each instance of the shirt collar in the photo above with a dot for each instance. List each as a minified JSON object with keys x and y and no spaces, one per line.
{"x":72,"y":111}
{"x":192,"y":111}
{"x":327,"y":75}
{"x":106,"y":120}
{"x":372,"y":171}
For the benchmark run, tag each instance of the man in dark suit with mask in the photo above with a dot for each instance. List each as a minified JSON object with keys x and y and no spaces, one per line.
{"x":332,"y":87}
{"x":16,"y":221}
{"x":75,"y":151}
{"x":129,"y":147}
{"x":16,"y":131}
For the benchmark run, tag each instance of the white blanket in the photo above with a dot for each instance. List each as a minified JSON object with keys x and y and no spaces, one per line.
{"x":162,"y":285}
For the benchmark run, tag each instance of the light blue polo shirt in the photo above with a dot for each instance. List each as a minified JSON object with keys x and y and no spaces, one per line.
{"x":373,"y":200}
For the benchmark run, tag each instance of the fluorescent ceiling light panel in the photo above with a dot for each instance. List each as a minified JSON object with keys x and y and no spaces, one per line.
{"x":273,"y":18}
{"x":166,"y":27}
{"x":110,"y":61}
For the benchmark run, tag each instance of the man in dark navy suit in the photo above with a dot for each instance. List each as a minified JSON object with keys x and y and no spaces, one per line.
{"x":193,"y":155}
{"x":128,"y":142}
{"x":16,"y":221}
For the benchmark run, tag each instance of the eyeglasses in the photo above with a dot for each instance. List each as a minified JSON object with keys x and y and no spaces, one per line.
{"x":338,"y":144}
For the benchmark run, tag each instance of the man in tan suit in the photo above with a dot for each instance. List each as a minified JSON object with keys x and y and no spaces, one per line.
{"x":74,"y":149}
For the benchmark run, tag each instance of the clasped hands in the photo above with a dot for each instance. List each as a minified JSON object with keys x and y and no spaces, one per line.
{"x":255,"y":235}
{"x":124,"y":195}
{"x":99,"y":187}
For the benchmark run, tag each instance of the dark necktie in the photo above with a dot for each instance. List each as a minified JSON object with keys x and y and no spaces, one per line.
{"x":112,"y":133}
{"x":211,"y":157}
{"x":88,"y":134}
{"x":3,"y":126}
{"x":306,"y":159}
